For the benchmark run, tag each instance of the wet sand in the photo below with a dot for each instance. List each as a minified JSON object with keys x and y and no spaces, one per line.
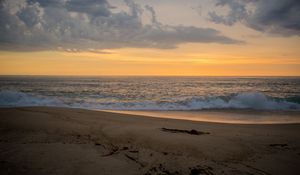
{"x":237,"y":116}
{"x":44,"y":140}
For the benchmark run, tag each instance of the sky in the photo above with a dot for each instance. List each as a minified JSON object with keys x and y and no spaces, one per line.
{"x":150,"y":37}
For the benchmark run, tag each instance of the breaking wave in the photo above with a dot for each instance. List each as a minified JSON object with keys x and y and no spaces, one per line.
{"x":15,"y":99}
{"x":248,"y":100}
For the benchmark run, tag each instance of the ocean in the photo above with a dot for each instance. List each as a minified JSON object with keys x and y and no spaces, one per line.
{"x":152,"y":93}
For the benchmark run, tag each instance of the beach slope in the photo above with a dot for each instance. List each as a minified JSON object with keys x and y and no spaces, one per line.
{"x":48,"y":140}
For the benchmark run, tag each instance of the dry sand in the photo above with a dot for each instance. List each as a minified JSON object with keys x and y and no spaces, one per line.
{"x":40,"y":140}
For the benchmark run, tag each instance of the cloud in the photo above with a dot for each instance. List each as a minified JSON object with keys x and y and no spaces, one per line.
{"x":91,"y":24}
{"x":90,"y":7}
{"x":153,"y":14}
{"x":272,"y":16}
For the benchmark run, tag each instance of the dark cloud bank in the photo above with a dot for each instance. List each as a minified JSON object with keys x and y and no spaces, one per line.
{"x":281,"y":17}
{"x":90,"y":24}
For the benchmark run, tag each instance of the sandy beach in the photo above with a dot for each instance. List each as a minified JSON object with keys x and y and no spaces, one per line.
{"x":48,"y":140}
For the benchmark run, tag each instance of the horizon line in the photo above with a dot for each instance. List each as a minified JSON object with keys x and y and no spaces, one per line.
{"x":132,"y":75}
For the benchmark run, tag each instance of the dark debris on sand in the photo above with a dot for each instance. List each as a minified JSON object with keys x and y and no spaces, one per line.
{"x":192,"y":132}
{"x":278,"y":145}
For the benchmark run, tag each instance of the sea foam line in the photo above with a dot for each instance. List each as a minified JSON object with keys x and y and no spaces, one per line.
{"x":245,"y":100}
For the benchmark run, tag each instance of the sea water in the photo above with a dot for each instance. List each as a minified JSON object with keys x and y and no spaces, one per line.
{"x":152,"y":93}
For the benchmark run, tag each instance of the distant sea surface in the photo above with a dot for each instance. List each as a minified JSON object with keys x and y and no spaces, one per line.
{"x":152,"y":93}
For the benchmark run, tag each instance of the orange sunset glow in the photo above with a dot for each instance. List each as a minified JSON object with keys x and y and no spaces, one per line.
{"x":186,"y":60}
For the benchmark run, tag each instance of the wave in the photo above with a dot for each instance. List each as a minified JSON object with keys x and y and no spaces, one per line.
{"x":15,"y":99}
{"x":248,"y":100}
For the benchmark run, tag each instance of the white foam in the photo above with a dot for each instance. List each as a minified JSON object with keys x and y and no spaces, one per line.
{"x":14,"y":98}
{"x":249,"y":100}
{"x":259,"y":101}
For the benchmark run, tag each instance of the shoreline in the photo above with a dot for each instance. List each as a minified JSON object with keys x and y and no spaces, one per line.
{"x":225,"y":116}
{"x":51,"y":140}
{"x":232,"y":116}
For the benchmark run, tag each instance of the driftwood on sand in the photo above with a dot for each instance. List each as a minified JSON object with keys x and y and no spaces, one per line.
{"x":192,"y":132}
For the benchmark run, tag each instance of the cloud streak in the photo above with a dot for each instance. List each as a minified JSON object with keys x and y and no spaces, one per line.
{"x":29,"y":25}
{"x":271,"y":16}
